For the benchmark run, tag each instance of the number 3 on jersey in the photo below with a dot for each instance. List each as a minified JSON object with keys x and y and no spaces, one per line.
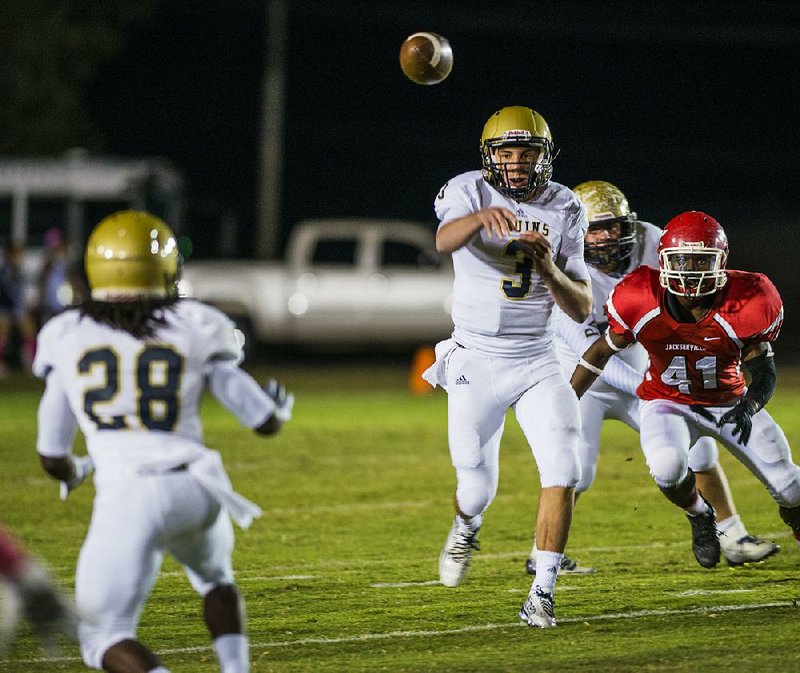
{"x":158,"y":376}
{"x":518,"y":289}
{"x":676,"y":374}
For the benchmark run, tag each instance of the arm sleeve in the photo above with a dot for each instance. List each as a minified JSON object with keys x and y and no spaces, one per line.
{"x":569,"y":257}
{"x":620,"y":375}
{"x":616,"y":323}
{"x":46,"y":349}
{"x":762,"y":314}
{"x":238,"y":392}
{"x":216,"y":335}
{"x":57,"y":424}
{"x":455,"y":199}
{"x":763,"y":379}
{"x":576,"y":269}
{"x":579,"y":336}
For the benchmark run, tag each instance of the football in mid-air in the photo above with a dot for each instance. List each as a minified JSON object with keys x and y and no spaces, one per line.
{"x":426,"y":58}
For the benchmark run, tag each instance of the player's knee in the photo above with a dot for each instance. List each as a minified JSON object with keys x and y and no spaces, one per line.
{"x":476,"y":488}
{"x":564,"y":474}
{"x":111,"y":618}
{"x":584,"y":483}
{"x":588,"y":474}
{"x":587,"y":456}
{"x":95,"y":641}
{"x":559,"y":468}
{"x":788,"y":495}
{"x":202,"y":585}
{"x":473,"y":499}
{"x":667,"y":468}
{"x":703,"y":455}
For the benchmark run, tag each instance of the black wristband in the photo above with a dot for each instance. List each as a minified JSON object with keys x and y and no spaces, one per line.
{"x":750,"y":405}
{"x":763,"y":379}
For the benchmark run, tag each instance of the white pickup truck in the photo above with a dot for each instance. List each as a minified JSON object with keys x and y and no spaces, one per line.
{"x":346,"y":283}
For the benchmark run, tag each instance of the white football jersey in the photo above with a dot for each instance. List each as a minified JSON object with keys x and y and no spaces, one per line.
{"x":574,"y":338}
{"x":500,"y":306}
{"x":137,"y":401}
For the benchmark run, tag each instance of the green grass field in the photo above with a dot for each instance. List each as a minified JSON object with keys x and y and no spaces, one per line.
{"x":340,"y":573}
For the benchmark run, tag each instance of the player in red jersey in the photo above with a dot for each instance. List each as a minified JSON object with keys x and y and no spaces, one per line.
{"x":33,"y":596}
{"x":700,"y":323}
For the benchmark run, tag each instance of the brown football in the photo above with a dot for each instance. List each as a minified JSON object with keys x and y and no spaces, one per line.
{"x":426,"y":58}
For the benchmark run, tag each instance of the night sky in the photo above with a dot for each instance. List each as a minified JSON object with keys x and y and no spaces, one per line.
{"x":683,"y":105}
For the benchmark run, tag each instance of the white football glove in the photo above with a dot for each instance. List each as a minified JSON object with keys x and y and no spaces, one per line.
{"x":284,"y":401}
{"x":84,"y":466}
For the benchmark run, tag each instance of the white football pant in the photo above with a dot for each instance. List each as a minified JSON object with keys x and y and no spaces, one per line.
{"x":480,"y":390}
{"x":602,"y":402}
{"x":136,"y":519}
{"x":669,"y":429}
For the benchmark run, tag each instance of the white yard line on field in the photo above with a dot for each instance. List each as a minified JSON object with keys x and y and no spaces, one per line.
{"x":273,"y":578}
{"x":390,"y":635}
{"x":706,"y":592}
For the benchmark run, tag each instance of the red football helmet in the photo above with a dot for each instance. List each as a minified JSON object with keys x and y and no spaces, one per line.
{"x":692,"y":254}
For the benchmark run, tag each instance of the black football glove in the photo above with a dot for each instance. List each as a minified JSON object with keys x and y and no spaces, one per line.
{"x":740,"y":416}
{"x":284,"y":401}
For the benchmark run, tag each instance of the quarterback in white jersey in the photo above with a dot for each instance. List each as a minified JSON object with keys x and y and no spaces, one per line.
{"x":129,"y":368}
{"x":516,"y":239}
{"x":501,"y":307}
{"x":616,"y":243}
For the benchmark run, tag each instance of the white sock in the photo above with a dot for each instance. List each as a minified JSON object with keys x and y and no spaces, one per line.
{"x":697,"y":508}
{"x":732,"y":528}
{"x":547,"y":564}
{"x":233,"y":653}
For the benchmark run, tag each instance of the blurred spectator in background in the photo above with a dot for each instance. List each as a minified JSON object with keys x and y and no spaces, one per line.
{"x":17,"y":325}
{"x":57,"y":283}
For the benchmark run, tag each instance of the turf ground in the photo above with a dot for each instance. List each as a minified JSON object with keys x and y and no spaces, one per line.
{"x":340,"y":573}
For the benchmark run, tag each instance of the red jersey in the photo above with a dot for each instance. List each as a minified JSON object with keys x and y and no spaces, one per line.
{"x":11,"y":557}
{"x":695,"y":363}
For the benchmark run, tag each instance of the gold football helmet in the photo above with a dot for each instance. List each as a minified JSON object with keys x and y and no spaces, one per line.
{"x":605,"y":206}
{"x":517,"y":126}
{"x":131,"y":255}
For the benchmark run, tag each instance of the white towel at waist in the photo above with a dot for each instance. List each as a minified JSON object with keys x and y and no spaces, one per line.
{"x":436,"y":374}
{"x":210,"y":473}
